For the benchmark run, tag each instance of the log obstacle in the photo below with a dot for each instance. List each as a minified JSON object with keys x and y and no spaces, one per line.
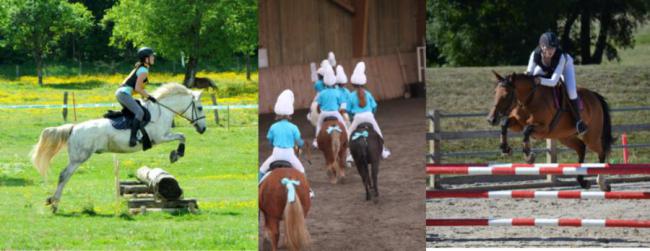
{"x":535,"y":222}
{"x":155,"y":190}
{"x":163,"y":185}
{"x":532,"y":194}
{"x":540,"y":169}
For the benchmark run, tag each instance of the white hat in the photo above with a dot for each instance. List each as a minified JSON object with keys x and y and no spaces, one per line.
{"x":324,"y":65}
{"x":331,"y":58}
{"x":359,"y":75}
{"x":328,"y":77}
{"x":341,"y":78}
{"x":312,"y":68}
{"x":284,"y":105}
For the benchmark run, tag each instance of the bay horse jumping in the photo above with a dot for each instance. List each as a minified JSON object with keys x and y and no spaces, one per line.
{"x":366,"y":147}
{"x":521,"y":105}
{"x":275,"y":202}
{"x":333,"y":142}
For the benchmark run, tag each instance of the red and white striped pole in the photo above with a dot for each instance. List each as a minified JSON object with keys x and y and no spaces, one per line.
{"x":539,"y":169}
{"x":535,"y":222}
{"x":532,"y":194}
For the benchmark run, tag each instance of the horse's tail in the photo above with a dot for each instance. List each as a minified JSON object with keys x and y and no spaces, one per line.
{"x":52,"y":139}
{"x":336,"y":145}
{"x":296,"y":230}
{"x":606,"y":137}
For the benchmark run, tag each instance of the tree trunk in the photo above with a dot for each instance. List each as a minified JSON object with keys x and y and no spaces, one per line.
{"x":585,"y":36}
{"x":38,"y":58}
{"x":601,"y":42}
{"x":248,"y":66}
{"x":190,"y":71}
{"x":566,"y":33}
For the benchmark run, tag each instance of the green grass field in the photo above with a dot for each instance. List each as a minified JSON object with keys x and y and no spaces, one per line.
{"x":471,"y":89}
{"x":219,"y":170}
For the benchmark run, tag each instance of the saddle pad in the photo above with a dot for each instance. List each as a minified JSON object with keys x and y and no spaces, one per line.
{"x":122,"y":120}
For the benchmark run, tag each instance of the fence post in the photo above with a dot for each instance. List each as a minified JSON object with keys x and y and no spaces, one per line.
{"x":435,"y":146}
{"x":65,"y":107}
{"x":216,"y":111}
{"x":551,"y":157}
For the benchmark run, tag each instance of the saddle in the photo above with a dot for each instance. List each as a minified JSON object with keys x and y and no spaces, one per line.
{"x":330,"y":118}
{"x":279,"y":164}
{"x":123,"y":120}
{"x":562,"y":103}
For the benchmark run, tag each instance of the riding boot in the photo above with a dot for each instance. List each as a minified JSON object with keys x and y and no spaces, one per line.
{"x":581,"y":127}
{"x":135,"y":126}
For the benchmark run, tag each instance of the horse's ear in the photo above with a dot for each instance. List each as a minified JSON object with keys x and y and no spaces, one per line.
{"x":197,"y":94}
{"x":498,"y":77}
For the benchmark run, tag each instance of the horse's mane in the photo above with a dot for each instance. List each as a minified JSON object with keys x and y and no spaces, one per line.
{"x":170,"y":89}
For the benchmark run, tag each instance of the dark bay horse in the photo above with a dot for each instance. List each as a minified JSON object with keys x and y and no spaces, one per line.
{"x":275,"y":193}
{"x":521,"y":105}
{"x":366,"y":147}
{"x":333,"y":142}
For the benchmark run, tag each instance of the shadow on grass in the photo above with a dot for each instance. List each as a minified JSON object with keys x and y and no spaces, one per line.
{"x":14,"y":182}
{"x":86,"y":85}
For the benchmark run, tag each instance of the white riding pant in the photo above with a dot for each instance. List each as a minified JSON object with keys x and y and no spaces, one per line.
{"x":568,"y":75}
{"x":365,"y":117}
{"x":286,"y":154}
{"x":325,"y":114}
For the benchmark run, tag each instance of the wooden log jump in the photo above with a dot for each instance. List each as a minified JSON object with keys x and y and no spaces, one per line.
{"x":532,"y":194}
{"x":539,"y":169}
{"x":163,"y":184}
{"x":534,"y":222}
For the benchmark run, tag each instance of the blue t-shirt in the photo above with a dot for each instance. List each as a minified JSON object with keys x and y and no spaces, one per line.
{"x":319,"y":86}
{"x":141,"y":70}
{"x":353,"y":103}
{"x":330,"y":99}
{"x":284,"y":134}
{"x":345,"y":93}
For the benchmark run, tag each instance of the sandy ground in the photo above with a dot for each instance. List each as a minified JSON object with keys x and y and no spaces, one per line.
{"x":545,"y":208}
{"x":340,"y":218}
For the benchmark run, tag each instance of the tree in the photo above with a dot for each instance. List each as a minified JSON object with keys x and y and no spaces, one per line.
{"x":474,"y":33}
{"x":241,"y":27}
{"x":199,"y":29}
{"x":38,"y":26}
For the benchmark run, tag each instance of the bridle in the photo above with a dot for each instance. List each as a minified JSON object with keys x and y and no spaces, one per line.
{"x":510,"y":98}
{"x":195,"y":114}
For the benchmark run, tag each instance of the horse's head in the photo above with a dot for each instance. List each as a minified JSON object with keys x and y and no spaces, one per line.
{"x":504,"y":97}
{"x":510,"y":90}
{"x":184,"y":102}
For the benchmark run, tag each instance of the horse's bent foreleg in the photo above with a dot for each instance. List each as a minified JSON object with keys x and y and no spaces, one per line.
{"x":530,"y":156}
{"x":180,"y":151}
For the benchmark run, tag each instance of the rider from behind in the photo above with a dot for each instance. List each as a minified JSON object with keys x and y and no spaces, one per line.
{"x":136,"y":82}
{"x":283,"y":135}
{"x":363,"y":105}
{"x":548,"y":62}
{"x":330,"y":101}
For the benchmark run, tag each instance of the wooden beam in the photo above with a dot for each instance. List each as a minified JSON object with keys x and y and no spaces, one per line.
{"x":344,"y":5}
{"x":360,"y":29}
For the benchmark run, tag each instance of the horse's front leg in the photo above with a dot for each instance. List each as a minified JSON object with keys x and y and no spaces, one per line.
{"x":505,"y":148}
{"x":174,"y":155}
{"x":528,"y":153}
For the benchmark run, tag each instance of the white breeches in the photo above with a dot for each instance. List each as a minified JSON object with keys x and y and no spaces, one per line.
{"x":568,"y":75}
{"x":365,"y":117}
{"x":325,"y":114}
{"x":286,"y":154}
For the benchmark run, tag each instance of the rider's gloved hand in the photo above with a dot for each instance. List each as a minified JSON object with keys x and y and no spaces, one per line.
{"x":152,"y":99}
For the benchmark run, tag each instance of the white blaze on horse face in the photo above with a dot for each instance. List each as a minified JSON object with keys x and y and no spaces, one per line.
{"x":200,"y":124}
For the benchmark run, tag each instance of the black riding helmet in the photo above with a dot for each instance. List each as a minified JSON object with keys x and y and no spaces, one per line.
{"x":549,"y":39}
{"x":145,"y":52}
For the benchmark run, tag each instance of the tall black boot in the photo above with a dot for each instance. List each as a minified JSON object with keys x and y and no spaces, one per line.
{"x":581,"y":127}
{"x":135,"y":126}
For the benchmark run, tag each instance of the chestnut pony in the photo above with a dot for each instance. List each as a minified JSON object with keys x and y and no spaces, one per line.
{"x":275,"y":194}
{"x":333,"y":142}
{"x":521,"y":105}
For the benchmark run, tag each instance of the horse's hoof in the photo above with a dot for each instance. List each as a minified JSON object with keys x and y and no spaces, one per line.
{"x":530,"y":158}
{"x":603,"y":184}
{"x":506,"y":150}
{"x":584,"y":184}
{"x":181,"y":150}
{"x":53,"y":203}
{"x":173,"y":156}
{"x":368,"y":196}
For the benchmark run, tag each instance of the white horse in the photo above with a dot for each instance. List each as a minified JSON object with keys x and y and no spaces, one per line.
{"x":98,"y":135}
